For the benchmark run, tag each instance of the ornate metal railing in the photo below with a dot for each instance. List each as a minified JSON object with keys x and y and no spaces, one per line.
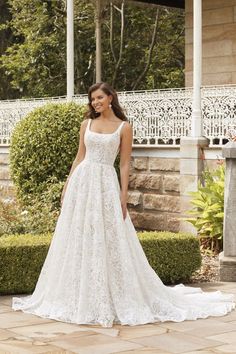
{"x":159,"y":118}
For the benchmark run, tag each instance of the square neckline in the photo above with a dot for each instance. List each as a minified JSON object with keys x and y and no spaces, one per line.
{"x":89,"y":125}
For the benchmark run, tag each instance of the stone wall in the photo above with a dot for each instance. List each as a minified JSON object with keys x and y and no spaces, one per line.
{"x":219,"y":42}
{"x":154,"y":201}
{"x":6,"y":186}
{"x":154,"y":185}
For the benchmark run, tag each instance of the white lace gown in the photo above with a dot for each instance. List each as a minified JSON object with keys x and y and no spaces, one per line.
{"x":96,"y":271}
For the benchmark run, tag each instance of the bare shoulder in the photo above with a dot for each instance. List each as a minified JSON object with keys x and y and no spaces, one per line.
{"x":126,"y":129}
{"x":84,"y":124}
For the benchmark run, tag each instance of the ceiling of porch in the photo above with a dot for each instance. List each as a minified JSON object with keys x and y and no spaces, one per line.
{"x":171,"y":3}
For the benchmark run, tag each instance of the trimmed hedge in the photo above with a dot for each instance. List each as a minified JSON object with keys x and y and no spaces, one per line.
{"x":174,"y":257}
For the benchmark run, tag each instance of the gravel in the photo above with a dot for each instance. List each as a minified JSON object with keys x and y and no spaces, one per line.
{"x":209,"y":271}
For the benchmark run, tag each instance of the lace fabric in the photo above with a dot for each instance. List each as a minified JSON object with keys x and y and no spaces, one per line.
{"x":96,"y":271}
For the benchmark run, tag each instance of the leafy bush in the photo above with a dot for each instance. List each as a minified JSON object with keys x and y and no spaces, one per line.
{"x":208,"y":211}
{"x":43,"y":147}
{"x":173,"y":256}
{"x":11,"y":218}
{"x":38,"y":217}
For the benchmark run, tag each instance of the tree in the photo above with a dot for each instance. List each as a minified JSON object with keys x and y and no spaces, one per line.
{"x":142,"y":46}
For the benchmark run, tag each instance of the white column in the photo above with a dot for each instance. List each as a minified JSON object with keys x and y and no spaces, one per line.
{"x":70,"y":49}
{"x":197,"y":69}
{"x":98,"y":41}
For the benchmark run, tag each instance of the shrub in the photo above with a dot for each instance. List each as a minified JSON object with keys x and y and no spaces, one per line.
{"x":11,"y":217}
{"x":173,"y":256}
{"x":21,"y":259}
{"x":43,"y":147}
{"x":208,"y":211}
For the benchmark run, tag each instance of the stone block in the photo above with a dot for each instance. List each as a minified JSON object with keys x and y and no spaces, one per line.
{"x":140,"y":163}
{"x":229,"y":150}
{"x":134,"y":198}
{"x":173,"y":223}
{"x":227,"y":268}
{"x":148,"y":221}
{"x":217,"y":65}
{"x":193,"y":148}
{"x":218,"y":16}
{"x":145,"y":181}
{"x":192,"y":167}
{"x":171,"y":183}
{"x":4,"y":172}
{"x":164,"y":164}
{"x":161,"y":202}
{"x":188,"y":183}
{"x":4,"y":159}
{"x":185,"y":226}
{"x":212,"y":49}
{"x":219,"y":79}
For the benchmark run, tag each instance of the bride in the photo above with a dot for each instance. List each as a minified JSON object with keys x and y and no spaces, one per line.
{"x":95,"y":271}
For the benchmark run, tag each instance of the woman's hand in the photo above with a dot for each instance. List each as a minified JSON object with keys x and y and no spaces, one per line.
{"x":123,"y":201}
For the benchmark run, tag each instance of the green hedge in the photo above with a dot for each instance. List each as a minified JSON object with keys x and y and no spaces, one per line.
{"x":43,"y":147}
{"x":173,"y":256}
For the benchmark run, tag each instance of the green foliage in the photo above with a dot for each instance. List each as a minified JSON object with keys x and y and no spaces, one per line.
{"x":21,"y":259}
{"x":35,"y":60}
{"x":11,"y":218}
{"x":43,"y":147}
{"x":208,"y":207}
{"x":173,"y":256}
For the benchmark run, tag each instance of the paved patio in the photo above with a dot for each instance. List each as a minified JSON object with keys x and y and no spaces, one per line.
{"x":23,"y":333}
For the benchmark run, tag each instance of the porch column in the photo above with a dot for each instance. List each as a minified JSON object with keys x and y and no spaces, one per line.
{"x":228,"y":256}
{"x":197,"y":69}
{"x":98,"y":41}
{"x":70,"y":49}
{"x":192,"y":147}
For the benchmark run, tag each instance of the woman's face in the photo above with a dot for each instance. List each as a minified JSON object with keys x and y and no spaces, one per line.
{"x":100,"y":100}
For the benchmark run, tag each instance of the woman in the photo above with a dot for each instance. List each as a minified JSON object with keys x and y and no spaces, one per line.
{"x":96,"y":271}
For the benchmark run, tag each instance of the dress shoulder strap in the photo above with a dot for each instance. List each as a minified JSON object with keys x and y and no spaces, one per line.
{"x":88,"y":124}
{"x":120,"y":127}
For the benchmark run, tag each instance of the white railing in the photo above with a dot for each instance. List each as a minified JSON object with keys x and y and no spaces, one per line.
{"x":159,"y":118}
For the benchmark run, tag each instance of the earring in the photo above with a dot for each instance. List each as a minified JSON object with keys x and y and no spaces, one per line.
{"x":110,"y":105}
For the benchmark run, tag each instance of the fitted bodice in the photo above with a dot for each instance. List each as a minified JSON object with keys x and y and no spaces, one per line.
{"x":102,"y":148}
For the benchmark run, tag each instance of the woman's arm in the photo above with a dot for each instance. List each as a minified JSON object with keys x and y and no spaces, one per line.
{"x":79,"y":156}
{"x":125,"y":155}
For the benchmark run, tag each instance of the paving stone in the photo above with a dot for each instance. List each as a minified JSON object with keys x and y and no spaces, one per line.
{"x":16,"y":319}
{"x":146,"y":351}
{"x":4,"y":308}
{"x":208,"y":330}
{"x":191,"y":325}
{"x":176,"y":342}
{"x":50,"y":331}
{"x":141,"y":331}
{"x":229,"y":337}
{"x":14,"y":346}
{"x":228,"y":348}
{"x":95,"y":343}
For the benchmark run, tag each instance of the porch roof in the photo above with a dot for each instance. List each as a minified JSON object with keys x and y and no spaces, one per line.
{"x":172,"y":3}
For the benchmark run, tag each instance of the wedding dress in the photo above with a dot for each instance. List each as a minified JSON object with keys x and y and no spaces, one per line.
{"x":96,"y":271}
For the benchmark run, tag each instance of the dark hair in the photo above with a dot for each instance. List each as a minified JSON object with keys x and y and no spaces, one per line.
{"x":108,"y":90}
